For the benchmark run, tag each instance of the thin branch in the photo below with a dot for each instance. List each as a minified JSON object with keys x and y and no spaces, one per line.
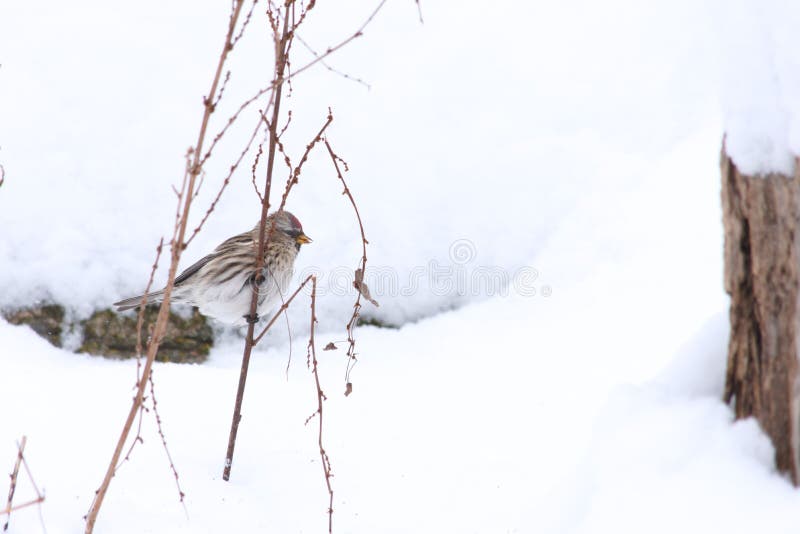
{"x":351,"y":325}
{"x":295,"y":175}
{"x":336,"y":47}
{"x":221,"y":90}
{"x":177,"y":248}
{"x":142,"y":305}
{"x":280,"y":80}
{"x":200,"y":183}
{"x":263,"y":237}
{"x":31,"y":479}
{"x":255,"y":167}
{"x":139,"y":326}
{"x":286,"y":126}
{"x":245,"y":23}
{"x":225,"y":183}
{"x":312,"y":356}
{"x":13,"y":487}
{"x":8,"y":511}
{"x":233,"y":118}
{"x":282,"y":309}
{"x":330,"y":68}
{"x":14,"y":476}
{"x":164,"y":438}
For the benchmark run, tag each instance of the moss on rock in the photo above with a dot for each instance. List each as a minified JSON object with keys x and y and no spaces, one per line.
{"x":107,"y":333}
{"x":45,"y":319}
{"x":373,"y":321}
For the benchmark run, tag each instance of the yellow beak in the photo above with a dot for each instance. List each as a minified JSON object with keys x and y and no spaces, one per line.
{"x":302,"y":239}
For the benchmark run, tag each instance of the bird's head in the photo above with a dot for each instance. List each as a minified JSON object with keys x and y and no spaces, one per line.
{"x":290,"y":225}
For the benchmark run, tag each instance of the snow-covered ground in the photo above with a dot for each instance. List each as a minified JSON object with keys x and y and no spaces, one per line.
{"x":570,"y":150}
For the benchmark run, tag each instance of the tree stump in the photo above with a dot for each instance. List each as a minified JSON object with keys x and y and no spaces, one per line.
{"x":761,"y":216}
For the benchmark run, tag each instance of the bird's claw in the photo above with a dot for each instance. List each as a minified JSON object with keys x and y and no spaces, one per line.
{"x":251,"y":319}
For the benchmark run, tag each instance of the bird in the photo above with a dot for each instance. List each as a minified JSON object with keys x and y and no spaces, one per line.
{"x":220,"y":284}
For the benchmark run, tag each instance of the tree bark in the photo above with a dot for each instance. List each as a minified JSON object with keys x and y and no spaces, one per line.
{"x":761,"y":216}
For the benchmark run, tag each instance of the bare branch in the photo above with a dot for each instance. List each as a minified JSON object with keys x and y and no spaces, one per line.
{"x":336,"y":47}
{"x":12,"y":488}
{"x":255,"y":167}
{"x":177,"y":248}
{"x":221,"y":90}
{"x":164,"y":438}
{"x":281,"y":43}
{"x":312,"y":356}
{"x":14,"y":476}
{"x":295,"y":176}
{"x":139,"y":325}
{"x":282,"y":309}
{"x":330,"y":68}
{"x":245,"y":23}
{"x":233,"y":118}
{"x":225,"y":183}
{"x":8,"y":511}
{"x":352,"y":323}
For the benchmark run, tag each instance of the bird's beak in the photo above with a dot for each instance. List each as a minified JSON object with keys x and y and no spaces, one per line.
{"x":302,"y":239}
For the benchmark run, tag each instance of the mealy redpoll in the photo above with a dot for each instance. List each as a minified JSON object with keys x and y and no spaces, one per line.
{"x":221,"y":284}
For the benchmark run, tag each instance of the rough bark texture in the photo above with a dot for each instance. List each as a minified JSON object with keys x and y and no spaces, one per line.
{"x":761,"y":216}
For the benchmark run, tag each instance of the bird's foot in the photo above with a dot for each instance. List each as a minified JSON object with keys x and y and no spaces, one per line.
{"x":251,"y":319}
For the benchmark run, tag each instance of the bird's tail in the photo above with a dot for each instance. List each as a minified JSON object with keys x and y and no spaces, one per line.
{"x":134,"y":302}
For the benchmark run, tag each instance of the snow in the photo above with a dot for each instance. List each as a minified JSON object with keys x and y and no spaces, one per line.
{"x":759,"y":62}
{"x":569,"y":149}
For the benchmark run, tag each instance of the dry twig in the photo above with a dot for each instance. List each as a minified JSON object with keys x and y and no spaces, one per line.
{"x":332,"y":69}
{"x":177,"y":247}
{"x":281,"y":42}
{"x":164,"y":438}
{"x":10,"y":507}
{"x":359,"y":274}
{"x":13,"y":486}
{"x":312,"y":357}
{"x":139,"y":325}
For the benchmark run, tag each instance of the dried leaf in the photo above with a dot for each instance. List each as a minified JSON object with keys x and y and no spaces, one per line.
{"x":348,"y":389}
{"x":330,"y":346}
{"x":362,"y":288}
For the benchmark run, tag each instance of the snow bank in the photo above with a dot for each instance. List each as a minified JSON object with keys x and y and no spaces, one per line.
{"x":518,"y":413}
{"x":590,"y":405}
{"x":459,"y":183}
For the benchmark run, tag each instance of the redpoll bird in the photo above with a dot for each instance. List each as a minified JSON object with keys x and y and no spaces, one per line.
{"x":221,"y":284}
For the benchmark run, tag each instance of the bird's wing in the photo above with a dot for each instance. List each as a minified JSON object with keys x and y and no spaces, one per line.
{"x":237,"y":240}
{"x":194,"y":268}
